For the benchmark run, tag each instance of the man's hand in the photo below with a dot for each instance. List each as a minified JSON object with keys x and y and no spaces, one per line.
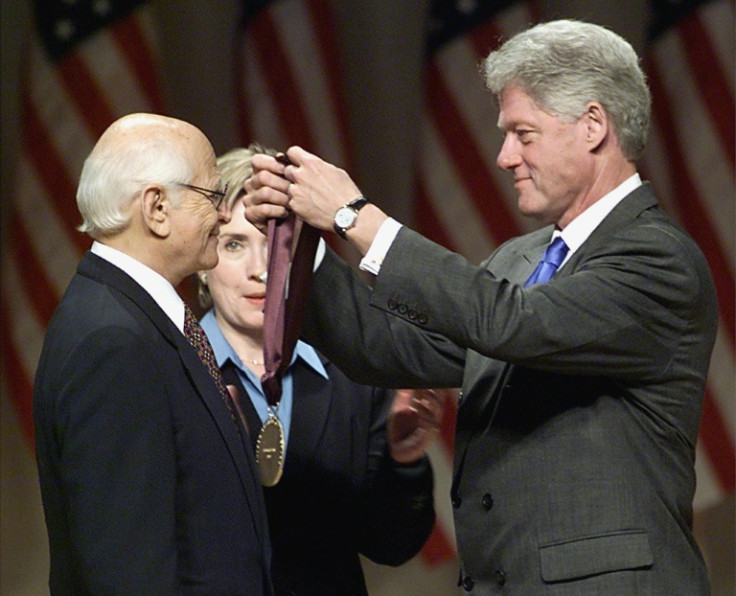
{"x":310,"y":187}
{"x":266,"y":192}
{"x":413,"y":423}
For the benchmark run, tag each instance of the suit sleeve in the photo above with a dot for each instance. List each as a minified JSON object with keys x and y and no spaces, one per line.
{"x":384,"y":350}
{"x":622,"y":311}
{"x":118,"y":465}
{"x":398,"y":504}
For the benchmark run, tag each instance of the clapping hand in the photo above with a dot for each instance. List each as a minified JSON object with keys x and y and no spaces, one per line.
{"x":414,"y":422}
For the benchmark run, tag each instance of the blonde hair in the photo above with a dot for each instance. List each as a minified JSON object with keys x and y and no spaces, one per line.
{"x":234,"y":168}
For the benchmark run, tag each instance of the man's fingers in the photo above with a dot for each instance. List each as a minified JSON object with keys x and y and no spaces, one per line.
{"x":259,"y":185}
{"x":262,"y":162}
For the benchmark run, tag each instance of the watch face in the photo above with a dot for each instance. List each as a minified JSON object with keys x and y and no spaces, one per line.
{"x":345,"y":217}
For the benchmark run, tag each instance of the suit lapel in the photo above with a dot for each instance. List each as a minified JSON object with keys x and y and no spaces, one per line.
{"x":485,"y":377}
{"x":97,"y":268}
{"x":310,"y":407}
{"x":210,"y":395}
{"x":620,"y":217}
{"x":232,"y":377}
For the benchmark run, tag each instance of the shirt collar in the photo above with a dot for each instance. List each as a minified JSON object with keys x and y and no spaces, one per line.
{"x":154,"y":283}
{"x":224,"y":352}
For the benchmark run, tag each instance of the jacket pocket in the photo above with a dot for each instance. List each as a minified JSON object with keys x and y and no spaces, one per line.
{"x":593,"y":555}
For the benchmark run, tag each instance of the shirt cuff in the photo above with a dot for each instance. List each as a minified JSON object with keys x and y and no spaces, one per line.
{"x":380,"y":246}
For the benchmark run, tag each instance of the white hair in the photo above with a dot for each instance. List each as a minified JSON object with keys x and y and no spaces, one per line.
{"x":134,"y":152}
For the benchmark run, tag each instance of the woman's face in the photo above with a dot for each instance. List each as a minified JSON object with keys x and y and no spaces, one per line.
{"x":238,"y":293}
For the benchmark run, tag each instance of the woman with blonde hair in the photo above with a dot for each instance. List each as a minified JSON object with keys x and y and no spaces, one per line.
{"x":354,"y":478}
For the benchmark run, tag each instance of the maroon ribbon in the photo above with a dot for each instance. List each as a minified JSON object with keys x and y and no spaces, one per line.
{"x":284,"y":315}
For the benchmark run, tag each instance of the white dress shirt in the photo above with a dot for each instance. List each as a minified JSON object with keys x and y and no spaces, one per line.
{"x":155,"y":284}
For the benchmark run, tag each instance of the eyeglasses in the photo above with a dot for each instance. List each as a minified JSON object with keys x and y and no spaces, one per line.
{"x":215,"y":196}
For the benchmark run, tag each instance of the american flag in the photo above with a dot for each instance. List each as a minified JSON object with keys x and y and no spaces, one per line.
{"x":84,"y":65}
{"x":87,"y":64}
{"x":690,"y":161}
{"x":289,"y":79}
{"x":289,"y":82}
{"x":464,"y":201}
{"x":467,"y":204}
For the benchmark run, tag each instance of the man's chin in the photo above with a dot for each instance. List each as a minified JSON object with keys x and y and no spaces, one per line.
{"x":210,"y":261}
{"x":528,"y":207}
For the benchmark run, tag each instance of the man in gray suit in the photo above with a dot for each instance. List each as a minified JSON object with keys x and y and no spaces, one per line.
{"x":581,"y":396}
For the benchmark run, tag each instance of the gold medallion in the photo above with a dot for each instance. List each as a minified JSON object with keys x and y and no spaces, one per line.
{"x":270,"y":451}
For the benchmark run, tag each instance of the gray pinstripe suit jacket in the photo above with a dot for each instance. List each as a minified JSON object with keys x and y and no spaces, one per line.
{"x":581,"y":397}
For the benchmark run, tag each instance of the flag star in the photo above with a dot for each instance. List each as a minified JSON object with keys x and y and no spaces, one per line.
{"x":467,"y":7}
{"x":102,"y":7}
{"x":64,"y":29}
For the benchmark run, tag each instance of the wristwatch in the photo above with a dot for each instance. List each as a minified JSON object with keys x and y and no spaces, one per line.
{"x":346,"y":215}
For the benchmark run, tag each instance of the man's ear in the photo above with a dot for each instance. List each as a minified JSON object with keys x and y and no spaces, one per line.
{"x":596,"y":125}
{"x":156,"y":210}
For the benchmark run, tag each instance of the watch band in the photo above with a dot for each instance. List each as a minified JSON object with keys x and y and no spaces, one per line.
{"x":358,"y":203}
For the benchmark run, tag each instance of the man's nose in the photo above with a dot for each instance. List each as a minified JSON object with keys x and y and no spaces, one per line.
{"x":508,"y":156}
{"x":224,"y":212}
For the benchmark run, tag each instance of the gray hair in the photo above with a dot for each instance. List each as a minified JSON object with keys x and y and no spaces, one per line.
{"x":563,"y":65}
{"x":116,"y":171}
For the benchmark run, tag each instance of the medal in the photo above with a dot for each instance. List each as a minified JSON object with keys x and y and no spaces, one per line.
{"x":270,"y":451}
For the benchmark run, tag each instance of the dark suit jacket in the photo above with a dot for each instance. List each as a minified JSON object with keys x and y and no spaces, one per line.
{"x":341,"y":493}
{"x":147,"y":486}
{"x":581,"y":397}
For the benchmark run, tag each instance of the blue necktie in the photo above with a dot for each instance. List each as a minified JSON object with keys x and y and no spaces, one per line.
{"x":552,"y":259}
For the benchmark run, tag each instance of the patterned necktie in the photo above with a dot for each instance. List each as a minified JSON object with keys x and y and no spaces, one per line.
{"x":198,"y":339}
{"x":552,"y":259}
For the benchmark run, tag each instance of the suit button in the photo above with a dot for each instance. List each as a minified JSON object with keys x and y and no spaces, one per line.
{"x":412,"y":315}
{"x":456,"y":501}
{"x":487,"y":502}
{"x":468,"y":583}
{"x":392,"y":304}
{"x":422,"y":319}
{"x":402,"y":308}
{"x":500,"y":577}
